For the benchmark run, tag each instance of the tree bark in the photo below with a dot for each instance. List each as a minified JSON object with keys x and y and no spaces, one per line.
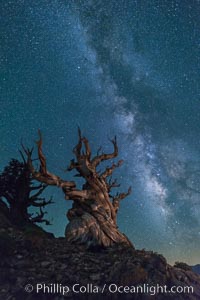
{"x":92,"y":218}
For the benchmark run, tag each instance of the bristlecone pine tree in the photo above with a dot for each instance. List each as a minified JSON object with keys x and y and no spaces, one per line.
{"x":17,"y":187}
{"x":92,"y":218}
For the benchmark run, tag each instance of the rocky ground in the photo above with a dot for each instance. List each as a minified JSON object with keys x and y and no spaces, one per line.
{"x":32,"y":257}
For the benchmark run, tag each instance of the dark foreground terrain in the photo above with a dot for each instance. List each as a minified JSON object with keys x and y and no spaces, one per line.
{"x":35,"y":265}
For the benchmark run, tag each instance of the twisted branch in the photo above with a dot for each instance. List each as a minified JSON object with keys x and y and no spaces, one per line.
{"x":118,"y":198}
{"x":99,"y":158}
{"x":109,"y":170}
{"x":43,"y":175}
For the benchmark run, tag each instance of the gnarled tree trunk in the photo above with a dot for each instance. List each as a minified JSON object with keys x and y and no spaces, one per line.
{"x":92,"y":218}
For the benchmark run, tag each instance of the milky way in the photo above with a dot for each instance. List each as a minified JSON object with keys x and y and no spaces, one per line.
{"x":129,"y":68}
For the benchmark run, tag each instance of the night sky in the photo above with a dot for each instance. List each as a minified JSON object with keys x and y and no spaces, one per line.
{"x":126,"y":67}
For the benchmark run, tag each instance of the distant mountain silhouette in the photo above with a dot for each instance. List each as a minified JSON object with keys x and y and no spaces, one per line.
{"x":196,"y":268}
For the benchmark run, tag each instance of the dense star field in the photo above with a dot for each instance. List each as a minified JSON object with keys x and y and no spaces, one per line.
{"x":129,"y":68}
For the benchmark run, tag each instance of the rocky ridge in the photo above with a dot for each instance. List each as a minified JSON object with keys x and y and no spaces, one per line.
{"x":32,"y":257}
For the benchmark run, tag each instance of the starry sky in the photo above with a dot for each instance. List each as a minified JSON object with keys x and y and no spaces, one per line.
{"x":129,"y":68}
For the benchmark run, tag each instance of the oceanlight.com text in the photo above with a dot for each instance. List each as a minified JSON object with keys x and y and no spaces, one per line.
{"x":57,"y":288}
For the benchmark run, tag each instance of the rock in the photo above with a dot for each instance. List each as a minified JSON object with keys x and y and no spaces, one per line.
{"x":59,"y":277}
{"x":56,"y":261}
{"x":95,"y":277}
{"x":45,"y":264}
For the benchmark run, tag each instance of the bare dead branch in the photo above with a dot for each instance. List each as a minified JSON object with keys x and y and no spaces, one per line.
{"x":43,"y":175}
{"x":43,"y":167}
{"x":73,"y":165}
{"x":112,"y":184}
{"x":99,"y":158}
{"x":87,"y":148}
{"x":35,"y":196}
{"x":109,"y":170}
{"x":23,"y":157}
{"x":39,"y":218}
{"x":43,"y":203}
{"x":37,"y":187}
{"x":118,"y":198}
{"x":77,"y":148}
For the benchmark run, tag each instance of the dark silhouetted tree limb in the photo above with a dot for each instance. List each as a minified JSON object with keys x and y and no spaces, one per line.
{"x":17,"y":187}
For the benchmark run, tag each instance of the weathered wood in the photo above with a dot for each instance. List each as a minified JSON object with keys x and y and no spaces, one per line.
{"x":92,"y":218}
